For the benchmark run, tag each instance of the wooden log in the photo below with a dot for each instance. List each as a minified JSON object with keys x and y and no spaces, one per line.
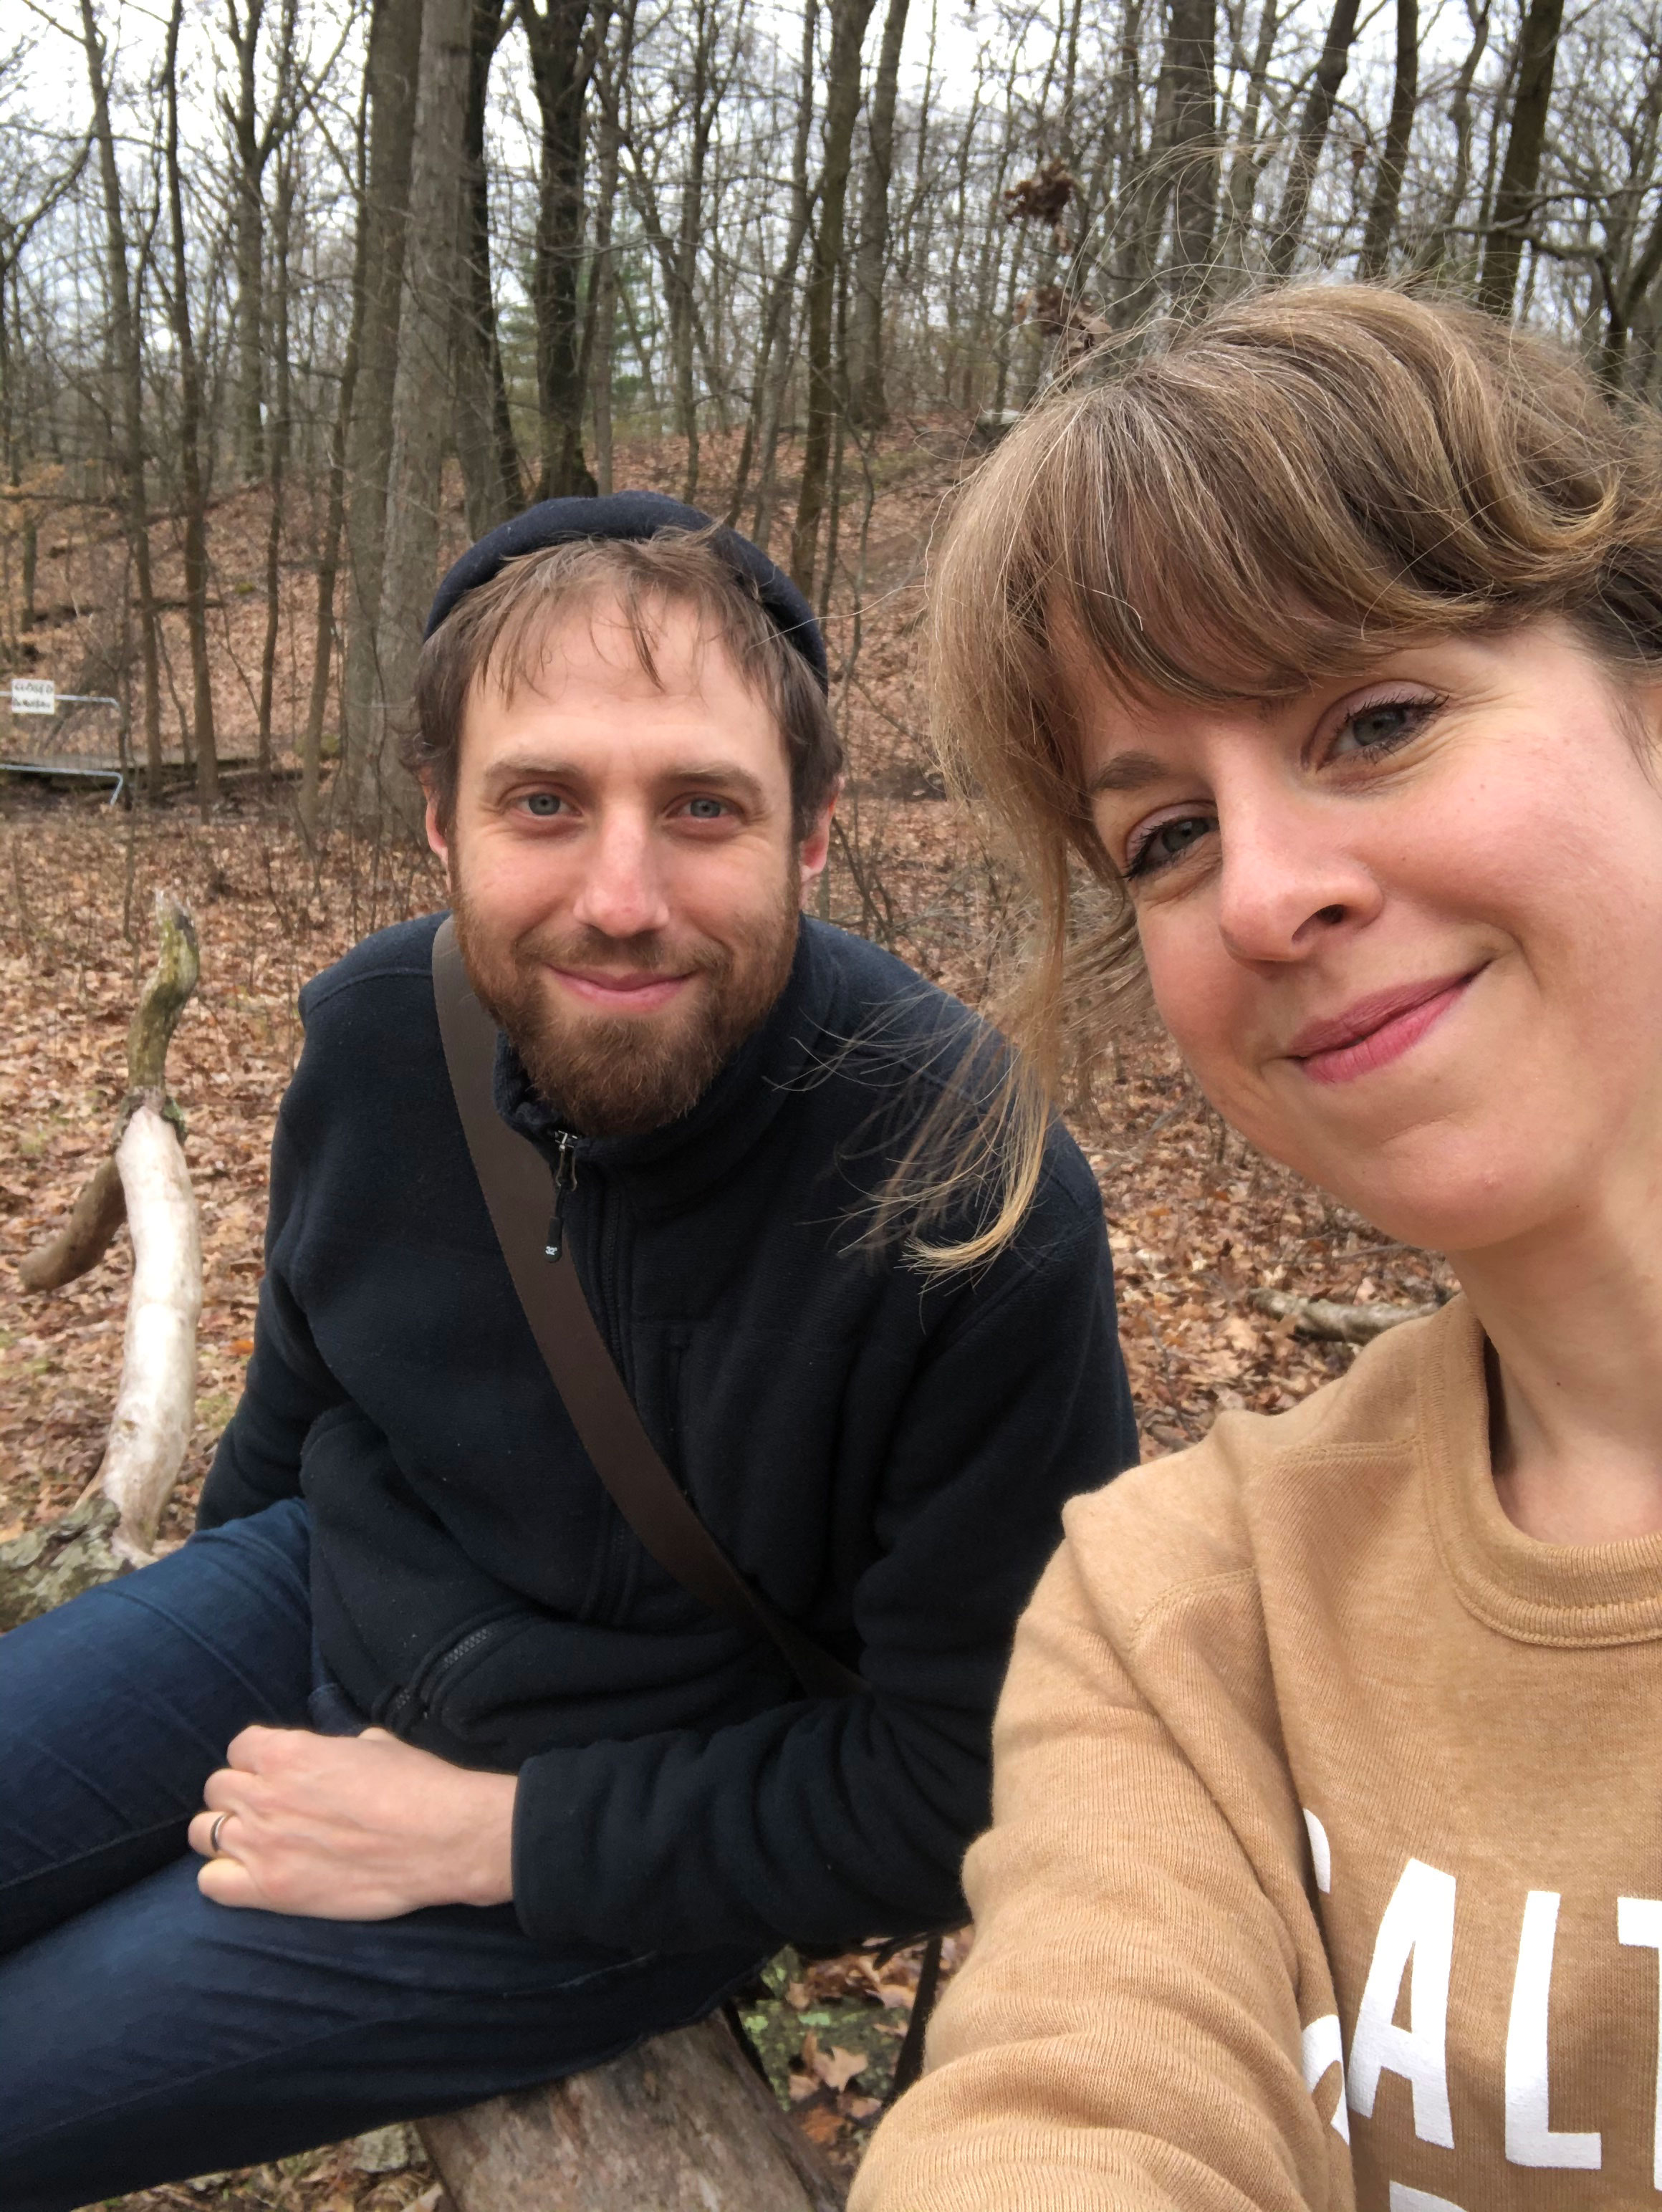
{"x":684,"y":2124}
{"x":155,"y":1403}
{"x":49,"y":1566}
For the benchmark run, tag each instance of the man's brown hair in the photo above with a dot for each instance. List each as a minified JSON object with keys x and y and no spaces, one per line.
{"x":500,"y":631}
{"x":1268,"y":497}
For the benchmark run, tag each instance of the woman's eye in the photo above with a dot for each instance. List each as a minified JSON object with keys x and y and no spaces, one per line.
{"x":543,"y":804}
{"x":1382,"y":725}
{"x":1167,"y":842}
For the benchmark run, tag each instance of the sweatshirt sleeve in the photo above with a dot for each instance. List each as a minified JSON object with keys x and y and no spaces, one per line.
{"x":829,"y":1821}
{"x":287,"y":1386}
{"x":1125,"y":2036}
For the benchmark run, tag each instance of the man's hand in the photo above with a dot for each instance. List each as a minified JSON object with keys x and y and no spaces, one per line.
{"x":352,"y":1827}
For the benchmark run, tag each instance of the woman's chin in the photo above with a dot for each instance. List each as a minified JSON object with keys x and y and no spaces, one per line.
{"x":1437,"y":1206}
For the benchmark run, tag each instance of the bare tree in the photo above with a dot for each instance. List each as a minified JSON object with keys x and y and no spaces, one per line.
{"x":849,"y":19}
{"x":1393,"y":161}
{"x":129,"y":379}
{"x":387,"y":796}
{"x":867,"y":400}
{"x":1514,"y":202}
{"x":190,"y":447}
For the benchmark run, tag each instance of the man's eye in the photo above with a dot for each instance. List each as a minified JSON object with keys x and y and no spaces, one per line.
{"x":707,"y":810}
{"x":1167,"y":842}
{"x":543,"y":804}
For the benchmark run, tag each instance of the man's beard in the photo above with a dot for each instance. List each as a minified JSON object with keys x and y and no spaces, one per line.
{"x":620,"y":1075}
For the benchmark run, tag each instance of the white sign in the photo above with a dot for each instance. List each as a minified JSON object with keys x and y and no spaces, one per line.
{"x":32,"y":695}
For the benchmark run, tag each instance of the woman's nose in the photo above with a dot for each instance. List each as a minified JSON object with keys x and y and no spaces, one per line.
{"x":1287,"y":876}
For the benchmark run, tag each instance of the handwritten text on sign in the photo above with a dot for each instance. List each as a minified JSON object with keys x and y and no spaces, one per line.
{"x":31,"y":694}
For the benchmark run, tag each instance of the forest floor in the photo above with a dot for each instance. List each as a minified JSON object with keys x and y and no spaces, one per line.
{"x":1197,"y":1221}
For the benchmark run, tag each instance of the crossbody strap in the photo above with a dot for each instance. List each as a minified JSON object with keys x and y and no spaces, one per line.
{"x":518,"y":1187}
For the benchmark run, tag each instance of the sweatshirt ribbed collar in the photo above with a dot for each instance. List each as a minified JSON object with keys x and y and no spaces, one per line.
{"x":1572,"y":1594}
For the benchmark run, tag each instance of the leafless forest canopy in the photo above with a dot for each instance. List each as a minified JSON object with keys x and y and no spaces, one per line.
{"x":398,"y":266}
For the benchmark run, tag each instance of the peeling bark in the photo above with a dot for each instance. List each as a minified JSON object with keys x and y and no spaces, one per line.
{"x":156,"y":1401}
{"x":682,"y":2124}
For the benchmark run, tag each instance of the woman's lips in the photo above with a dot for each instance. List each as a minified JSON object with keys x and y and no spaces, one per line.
{"x":1375,"y":1030}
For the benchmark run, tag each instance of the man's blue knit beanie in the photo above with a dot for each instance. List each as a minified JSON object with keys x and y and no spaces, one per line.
{"x":638,"y":515}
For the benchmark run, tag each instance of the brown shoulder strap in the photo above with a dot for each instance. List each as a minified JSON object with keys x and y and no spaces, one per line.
{"x":517,"y":1184}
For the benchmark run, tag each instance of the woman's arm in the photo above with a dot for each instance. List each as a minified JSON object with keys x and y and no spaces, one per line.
{"x":1127,"y":2030}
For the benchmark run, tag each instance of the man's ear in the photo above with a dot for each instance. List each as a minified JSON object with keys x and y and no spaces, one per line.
{"x":437,"y":838}
{"x":815,"y":848}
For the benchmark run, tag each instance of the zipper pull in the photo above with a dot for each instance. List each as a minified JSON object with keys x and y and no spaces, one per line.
{"x":565,"y":1174}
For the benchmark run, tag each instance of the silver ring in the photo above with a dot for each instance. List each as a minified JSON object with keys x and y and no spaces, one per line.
{"x":220,"y":1819}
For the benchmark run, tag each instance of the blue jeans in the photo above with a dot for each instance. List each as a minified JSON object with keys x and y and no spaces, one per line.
{"x":146,"y":2034}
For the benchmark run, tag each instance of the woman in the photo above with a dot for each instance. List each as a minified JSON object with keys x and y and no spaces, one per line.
{"x":1326,"y":1865}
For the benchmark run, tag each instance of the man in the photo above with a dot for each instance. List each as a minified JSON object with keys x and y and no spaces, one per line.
{"x":501,"y":1796}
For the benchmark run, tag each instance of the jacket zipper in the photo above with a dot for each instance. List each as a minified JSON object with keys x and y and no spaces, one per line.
{"x":565,"y":1174}
{"x":415,"y":1704}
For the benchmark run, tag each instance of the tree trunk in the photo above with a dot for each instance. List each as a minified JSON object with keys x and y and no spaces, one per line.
{"x":681,"y":269}
{"x":249,"y":224}
{"x":484,"y":431}
{"x":1247,"y":162}
{"x":773,"y":349}
{"x":1193,"y":39}
{"x":849,"y":19}
{"x":190,"y":451}
{"x":867,"y":401}
{"x":282,"y":424}
{"x":1312,"y":136}
{"x":1388,"y":185}
{"x":387,"y":796}
{"x":682,"y":2124}
{"x":1514,"y":202}
{"x":129,"y":379}
{"x":395,"y":46}
{"x":613,"y":61}
{"x":560,"y":67}
{"x":311,"y":749}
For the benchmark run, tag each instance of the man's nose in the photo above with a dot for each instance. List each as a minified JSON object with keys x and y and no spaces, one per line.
{"x":621,"y":892}
{"x":1288,"y":875}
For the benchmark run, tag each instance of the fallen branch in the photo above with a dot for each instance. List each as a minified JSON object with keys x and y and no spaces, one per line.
{"x":85,"y":1237}
{"x":101,"y":1208}
{"x":1337,"y":1324}
{"x":143,"y":1183}
{"x":156,"y":1401}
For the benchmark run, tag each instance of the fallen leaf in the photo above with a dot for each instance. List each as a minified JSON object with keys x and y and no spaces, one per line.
{"x":837,"y":2068}
{"x":863,"y":2108}
{"x":822,"y":2125}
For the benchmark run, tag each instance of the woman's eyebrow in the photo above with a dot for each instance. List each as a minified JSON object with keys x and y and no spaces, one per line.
{"x":1126,"y":772}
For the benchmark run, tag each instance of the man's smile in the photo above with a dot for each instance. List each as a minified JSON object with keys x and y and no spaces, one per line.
{"x":631,"y":991}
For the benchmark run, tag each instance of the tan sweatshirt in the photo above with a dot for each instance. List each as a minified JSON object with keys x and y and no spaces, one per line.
{"x":1326,"y":1867}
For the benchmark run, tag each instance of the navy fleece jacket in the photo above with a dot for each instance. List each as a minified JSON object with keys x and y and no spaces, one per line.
{"x":885,"y":1458}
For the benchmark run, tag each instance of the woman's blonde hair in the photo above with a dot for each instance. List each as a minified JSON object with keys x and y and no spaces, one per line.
{"x":1249,"y":503}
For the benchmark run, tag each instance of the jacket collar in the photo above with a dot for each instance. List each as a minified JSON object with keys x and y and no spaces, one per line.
{"x":671,"y":1165}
